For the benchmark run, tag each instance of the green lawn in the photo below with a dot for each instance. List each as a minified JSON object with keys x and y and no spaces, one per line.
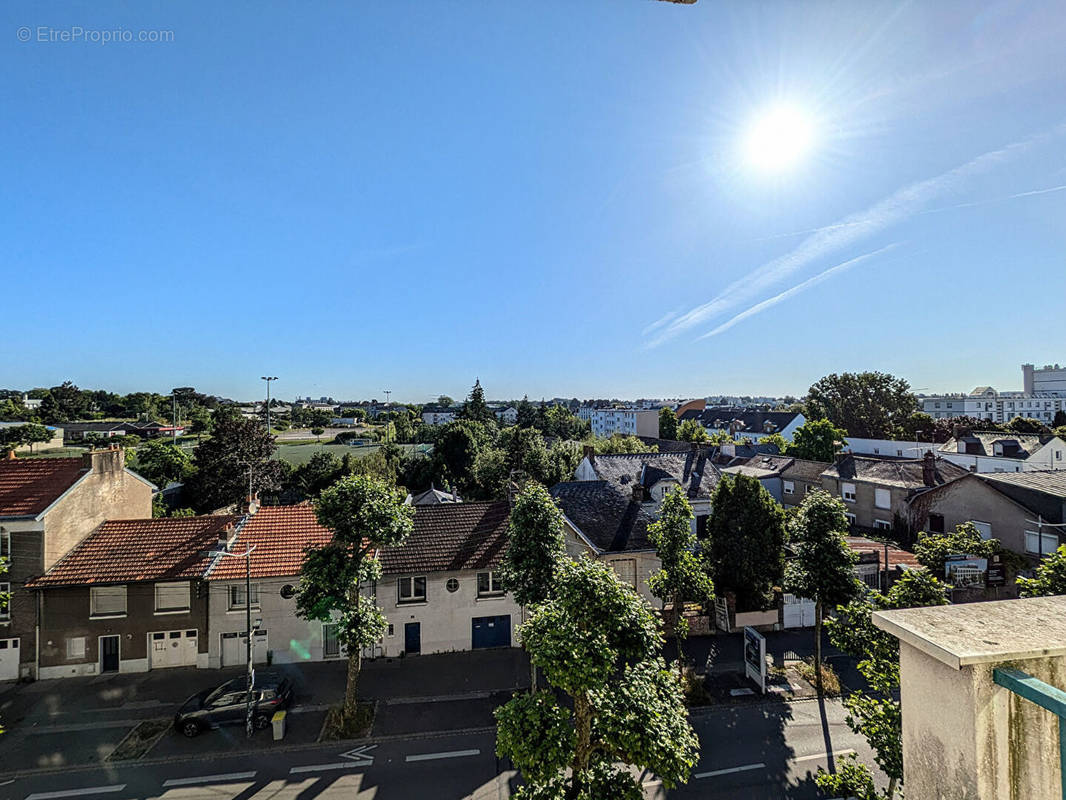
{"x":297,"y":454}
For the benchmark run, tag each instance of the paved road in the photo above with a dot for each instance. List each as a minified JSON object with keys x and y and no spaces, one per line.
{"x":764,"y":751}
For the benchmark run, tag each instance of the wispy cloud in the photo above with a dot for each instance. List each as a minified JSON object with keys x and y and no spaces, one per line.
{"x":758,"y":308}
{"x":897,"y":207}
{"x":669,"y":315}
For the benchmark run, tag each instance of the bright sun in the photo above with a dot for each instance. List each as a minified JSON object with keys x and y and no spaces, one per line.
{"x":779,"y":138}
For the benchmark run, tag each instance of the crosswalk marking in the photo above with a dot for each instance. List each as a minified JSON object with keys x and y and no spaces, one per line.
{"x":118,"y":787}
{"x":229,"y":776}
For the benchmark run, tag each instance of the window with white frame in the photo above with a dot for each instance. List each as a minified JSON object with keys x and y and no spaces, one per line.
{"x":882,"y":498}
{"x":172,"y":596}
{"x":5,"y":601}
{"x":238,"y":596}
{"x":850,"y":516}
{"x":76,"y":647}
{"x":411,"y":589}
{"x":5,"y":543}
{"x":789,"y":487}
{"x":1041,"y":544}
{"x":882,"y":524}
{"x":489,"y":584}
{"x":107,"y":601}
{"x":847,"y":491}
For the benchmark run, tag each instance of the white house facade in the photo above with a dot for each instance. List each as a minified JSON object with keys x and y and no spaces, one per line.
{"x":625,"y":421}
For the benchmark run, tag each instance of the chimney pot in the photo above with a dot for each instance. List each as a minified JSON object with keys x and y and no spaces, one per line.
{"x":929,"y":468}
{"x":589,"y":452}
{"x":638,"y":492}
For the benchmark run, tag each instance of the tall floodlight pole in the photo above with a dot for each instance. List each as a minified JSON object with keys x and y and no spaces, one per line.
{"x":388,"y":394}
{"x":268,"y":380}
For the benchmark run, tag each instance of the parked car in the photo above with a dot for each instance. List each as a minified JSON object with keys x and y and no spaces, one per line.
{"x":227,"y":704}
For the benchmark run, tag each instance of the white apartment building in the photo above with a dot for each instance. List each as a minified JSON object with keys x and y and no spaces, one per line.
{"x":625,"y":421}
{"x":1042,"y":396}
{"x":439,"y":416}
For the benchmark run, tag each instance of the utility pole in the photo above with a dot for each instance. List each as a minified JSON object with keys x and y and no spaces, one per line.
{"x":388,"y":394}
{"x":268,"y":380}
{"x":249,"y":725}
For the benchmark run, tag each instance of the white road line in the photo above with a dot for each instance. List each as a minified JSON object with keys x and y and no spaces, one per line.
{"x":715,"y":772}
{"x":228,"y":776}
{"x":118,"y":787}
{"x":823,"y":755}
{"x":335,"y":765}
{"x":448,"y":754}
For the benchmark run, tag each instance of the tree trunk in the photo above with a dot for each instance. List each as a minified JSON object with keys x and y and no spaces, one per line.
{"x":891,"y":788}
{"x":355,"y":664}
{"x":583,"y":749}
{"x":678,"y":608}
{"x":818,"y":646}
{"x":532,"y":675}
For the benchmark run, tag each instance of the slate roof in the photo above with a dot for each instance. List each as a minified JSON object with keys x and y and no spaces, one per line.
{"x":280,"y":535}
{"x":692,"y":469}
{"x":131,"y":550}
{"x":432,"y":496}
{"x":902,"y":472}
{"x":29,"y":485}
{"x":803,"y":469}
{"x":607,"y":515}
{"x":750,"y":421}
{"x":449,"y":537}
{"x":761,"y":466}
{"x":1051,"y":482}
{"x":1028,"y":442}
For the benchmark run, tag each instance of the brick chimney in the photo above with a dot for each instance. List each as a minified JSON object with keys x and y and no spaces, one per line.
{"x":638,"y":492}
{"x":929,"y":468}
{"x":589,"y":452}
{"x":10,"y":455}
{"x":109,"y":461}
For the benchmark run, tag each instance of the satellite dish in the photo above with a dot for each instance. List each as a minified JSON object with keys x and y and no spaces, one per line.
{"x":288,"y":591}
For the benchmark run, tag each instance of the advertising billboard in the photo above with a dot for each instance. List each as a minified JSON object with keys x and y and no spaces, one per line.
{"x":755,"y":657}
{"x":965,"y":571}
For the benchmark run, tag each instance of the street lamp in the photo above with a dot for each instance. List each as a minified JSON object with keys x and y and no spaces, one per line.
{"x":250,"y":677}
{"x":268,"y":380}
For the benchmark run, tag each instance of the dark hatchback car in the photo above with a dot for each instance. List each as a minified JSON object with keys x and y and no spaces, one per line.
{"x":227,"y":704}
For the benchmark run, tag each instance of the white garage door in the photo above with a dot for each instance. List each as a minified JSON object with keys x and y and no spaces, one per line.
{"x":235,"y":649}
{"x":172,"y":649}
{"x":9,"y":659}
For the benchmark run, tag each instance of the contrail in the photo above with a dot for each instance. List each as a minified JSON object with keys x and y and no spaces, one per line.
{"x":898,"y":206}
{"x":1015,"y":196}
{"x":799,"y":287}
{"x":669,"y":315}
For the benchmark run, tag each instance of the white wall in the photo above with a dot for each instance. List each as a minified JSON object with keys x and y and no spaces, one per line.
{"x":445,"y":617}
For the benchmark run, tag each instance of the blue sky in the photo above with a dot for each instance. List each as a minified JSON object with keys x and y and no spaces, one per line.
{"x":553,"y":196}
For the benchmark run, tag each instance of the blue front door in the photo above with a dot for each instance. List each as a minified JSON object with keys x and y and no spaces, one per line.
{"x":412,"y":637}
{"x":491,"y":632}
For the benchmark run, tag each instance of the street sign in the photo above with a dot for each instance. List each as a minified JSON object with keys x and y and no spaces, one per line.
{"x":361,"y":754}
{"x":755,"y":657}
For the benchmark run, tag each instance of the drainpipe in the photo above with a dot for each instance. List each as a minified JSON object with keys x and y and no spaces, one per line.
{"x":37,"y":637}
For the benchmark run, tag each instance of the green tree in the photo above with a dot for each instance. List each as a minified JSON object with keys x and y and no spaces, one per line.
{"x":598,"y":642}
{"x":872,"y":405}
{"x":816,"y":440}
{"x":1059,"y":420}
{"x":617,"y":443}
{"x":852,"y":779}
{"x":535,"y":547}
{"x":1027,"y":425}
{"x":683,"y":576}
{"x":876,"y":714}
{"x":364,"y":514}
{"x":456,"y":451}
{"x":445,"y":401}
{"x":475,"y":408}
{"x":322,"y":470}
{"x":237,"y":448}
{"x":745,"y":542}
{"x":16,"y":436}
{"x":823,"y":567}
{"x":317,"y":433}
{"x":690,"y":430}
{"x":777,"y":440}
{"x":667,"y":424}
{"x":932,"y":549}
{"x":162,"y":463}
{"x":1050,"y":576}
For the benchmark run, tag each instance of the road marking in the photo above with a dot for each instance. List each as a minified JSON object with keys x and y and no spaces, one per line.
{"x":360,"y":753}
{"x":716,"y":772}
{"x":118,"y":787}
{"x":823,"y":755}
{"x":228,"y":776}
{"x":448,"y":754}
{"x":335,"y":765}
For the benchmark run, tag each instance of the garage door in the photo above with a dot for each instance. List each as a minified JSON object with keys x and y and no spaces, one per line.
{"x":9,"y":659}
{"x":172,"y":649}
{"x":235,"y":649}
{"x":491,"y":632}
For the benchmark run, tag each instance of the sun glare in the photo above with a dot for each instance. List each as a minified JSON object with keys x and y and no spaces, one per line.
{"x":779,"y":138}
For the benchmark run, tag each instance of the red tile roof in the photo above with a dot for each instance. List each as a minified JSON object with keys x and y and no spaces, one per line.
{"x":130,"y":550}
{"x":280,"y":535}
{"x":451,"y":536}
{"x":896,"y":555}
{"x":29,"y":485}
